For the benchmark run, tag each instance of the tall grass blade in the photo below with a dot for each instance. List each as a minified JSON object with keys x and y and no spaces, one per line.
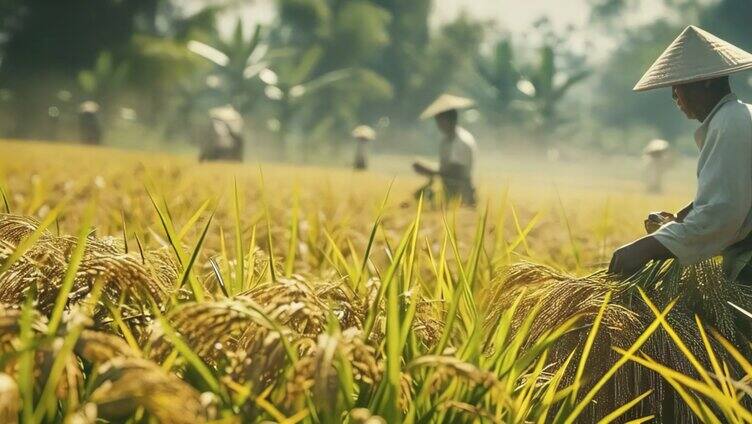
{"x":70,"y":273}
{"x":239,"y":251}
{"x":617,"y":413}
{"x":292,"y":247}
{"x":6,"y":205}
{"x":196,"y":287}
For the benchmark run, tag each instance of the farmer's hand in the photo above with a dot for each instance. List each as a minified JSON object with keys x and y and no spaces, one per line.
{"x":655,"y":220}
{"x":630,"y":258}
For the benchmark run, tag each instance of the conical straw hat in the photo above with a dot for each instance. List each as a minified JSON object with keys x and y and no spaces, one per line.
{"x":656,"y":146}
{"x":364,"y":132}
{"x":89,"y":107}
{"x":695,"y":55}
{"x":446,"y":103}
{"x":229,"y":116}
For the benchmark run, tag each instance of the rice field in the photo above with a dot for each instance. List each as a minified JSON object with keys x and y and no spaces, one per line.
{"x":145,"y":288}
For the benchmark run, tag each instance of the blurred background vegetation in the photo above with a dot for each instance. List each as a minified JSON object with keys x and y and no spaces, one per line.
{"x":305,"y":78}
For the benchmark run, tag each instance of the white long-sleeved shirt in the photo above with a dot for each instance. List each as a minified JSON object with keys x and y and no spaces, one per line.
{"x":721,"y":214}
{"x":459,"y":149}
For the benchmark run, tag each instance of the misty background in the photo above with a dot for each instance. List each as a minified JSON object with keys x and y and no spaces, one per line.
{"x":552,"y":79}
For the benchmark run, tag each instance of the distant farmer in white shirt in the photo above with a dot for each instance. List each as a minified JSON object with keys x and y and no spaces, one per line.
{"x":457,"y":152}
{"x":657,"y":158}
{"x":363,"y":135}
{"x":89,"y":125}
{"x":222,"y":137}
{"x":719,"y":220}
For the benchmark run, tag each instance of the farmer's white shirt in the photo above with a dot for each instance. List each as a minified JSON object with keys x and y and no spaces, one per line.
{"x":361,"y":151}
{"x":459,"y":149}
{"x":722,"y":211}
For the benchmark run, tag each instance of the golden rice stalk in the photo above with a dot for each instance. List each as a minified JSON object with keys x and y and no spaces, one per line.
{"x":211,"y":329}
{"x":256,"y":263}
{"x":42,"y":267}
{"x":10,"y":316}
{"x":126,"y":278}
{"x":121,"y":275}
{"x":10,"y":399}
{"x":98,"y":347}
{"x":6,"y":249}
{"x":343,"y":302}
{"x":317,"y":370}
{"x":14,"y":228}
{"x":292,"y":303}
{"x":163,"y":266}
{"x":449,"y":368}
{"x":478,"y":413}
{"x":125,"y":384}
{"x":262,"y":360}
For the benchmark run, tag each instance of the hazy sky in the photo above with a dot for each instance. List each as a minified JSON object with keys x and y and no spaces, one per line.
{"x":515,"y":15}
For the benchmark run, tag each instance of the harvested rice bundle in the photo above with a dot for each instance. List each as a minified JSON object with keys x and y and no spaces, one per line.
{"x":125,"y":384}
{"x":14,"y":228}
{"x":559,"y":297}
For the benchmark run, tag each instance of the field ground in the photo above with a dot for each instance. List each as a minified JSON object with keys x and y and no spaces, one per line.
{"x":257,"y":293}
{"x":601,"y":199}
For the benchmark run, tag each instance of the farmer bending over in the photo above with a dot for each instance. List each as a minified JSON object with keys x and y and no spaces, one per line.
{"x":457,"y":151}
{"x":719,"y":220}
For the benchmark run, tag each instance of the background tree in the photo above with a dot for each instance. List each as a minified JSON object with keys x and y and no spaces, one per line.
{"x":345,"y":35}
{"x":47,"y":43}
{"x":549,"y":84}
{"x":237,"y":63}
{"x":496,"y":86}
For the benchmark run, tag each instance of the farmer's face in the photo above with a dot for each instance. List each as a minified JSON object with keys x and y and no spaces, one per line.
{"x":445,"y":124}
{"x":685,"y":99}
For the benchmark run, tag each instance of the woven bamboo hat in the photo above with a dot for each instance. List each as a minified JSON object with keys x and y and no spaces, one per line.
{"x":228,"y":116}
{"x":656,"y":147}
{"x":89,"y":107}
{"x":695,"y":55}
{"x":364,"y":132}
{"x":445,"y":103}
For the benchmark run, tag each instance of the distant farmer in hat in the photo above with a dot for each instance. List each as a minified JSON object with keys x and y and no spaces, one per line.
{"x":362,"y":135}
{"x":89,"y":126}
{"x":719,"y":220}
{"x":456,"y":153}
{"x":223,"y":137}
{"x":657,"y":158}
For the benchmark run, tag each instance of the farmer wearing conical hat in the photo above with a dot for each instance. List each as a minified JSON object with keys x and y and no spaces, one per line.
{"x":657,"y":158}
{"x":223,"y":137}
{"x":89,"y":125}
{"x":457,"y":151}
{"x":363,"y":135}
{"x":719,"y":221}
